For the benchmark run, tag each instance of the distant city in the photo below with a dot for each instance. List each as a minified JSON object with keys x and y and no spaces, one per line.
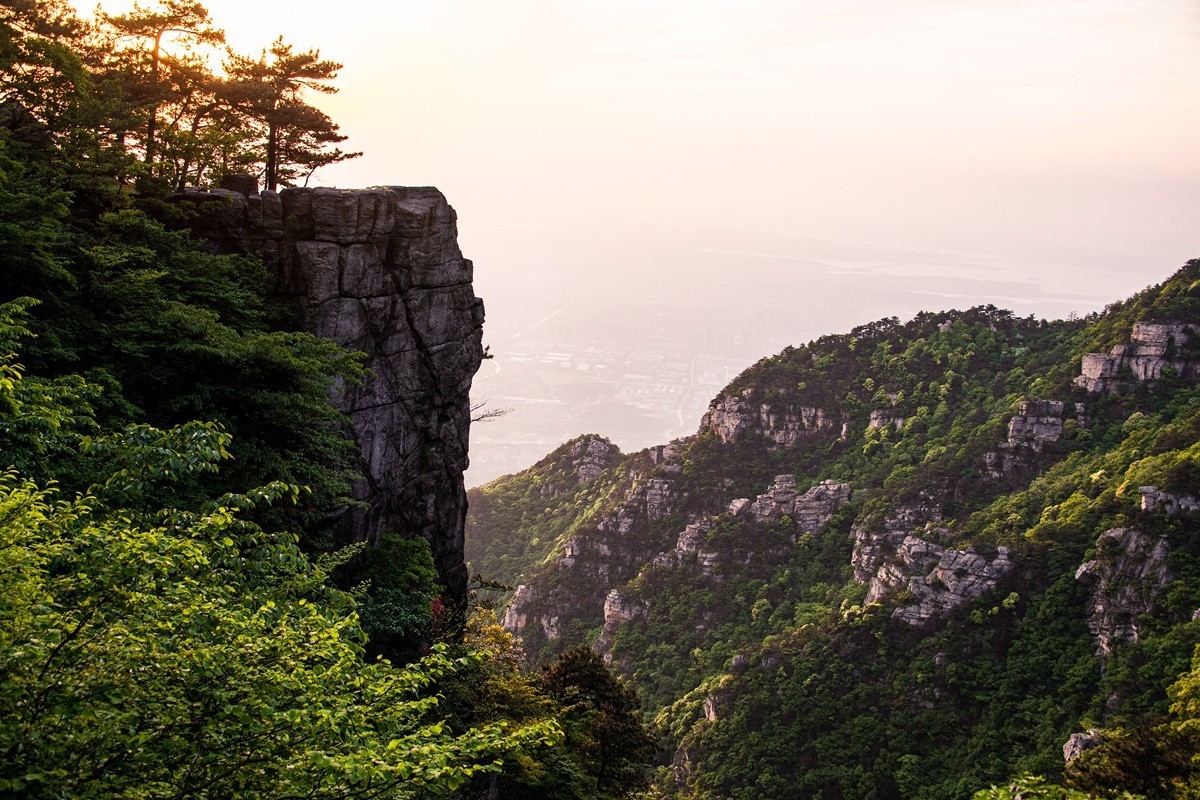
{"x":563,"y":379}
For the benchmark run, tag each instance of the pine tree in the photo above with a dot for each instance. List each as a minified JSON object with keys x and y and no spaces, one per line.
{"x":296,"y":136}
{"x":159,"y":76}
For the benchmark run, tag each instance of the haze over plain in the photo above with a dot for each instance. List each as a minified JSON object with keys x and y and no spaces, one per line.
{"x":657,"y":194}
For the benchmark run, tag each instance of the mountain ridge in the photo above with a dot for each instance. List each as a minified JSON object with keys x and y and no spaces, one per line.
{"x":962,"y":472}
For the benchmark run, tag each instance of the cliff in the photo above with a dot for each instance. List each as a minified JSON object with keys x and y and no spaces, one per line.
{"x":379,"y":271}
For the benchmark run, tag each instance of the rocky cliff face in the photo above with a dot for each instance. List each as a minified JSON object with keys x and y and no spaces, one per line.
{"x":1153,"y":348}
{"x":1036,"y":425}
{"x":379,"y":271}
{"x":596,"y":558}
{"x":591,"y":455}
{"x":909,"y":556}
{"x":735,"y":418}
{"x":1124,"y":581}
{"x":617,"y":610}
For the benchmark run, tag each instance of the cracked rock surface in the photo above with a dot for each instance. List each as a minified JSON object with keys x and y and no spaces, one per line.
{"x":380,"y":271}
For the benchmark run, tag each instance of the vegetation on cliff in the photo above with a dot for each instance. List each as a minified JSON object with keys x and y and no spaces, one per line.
{"x":166,"y":331}
{"x":152,"y":651}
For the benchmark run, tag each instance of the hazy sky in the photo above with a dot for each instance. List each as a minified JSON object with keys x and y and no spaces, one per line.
{"x":960,"y":123}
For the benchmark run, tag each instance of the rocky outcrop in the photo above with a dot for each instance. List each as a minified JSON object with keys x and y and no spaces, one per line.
{"x":592,"y":560}
{"x":808,"y":511}
{"x":378,"y":271}
{"x":692,"y":538}
{"x":778,"y":500}
{"x":617,"y":610}
{"x":590,"y":456}
{"x":874,"y":546}
{"x":1125,"y":579}
{"x":1077,"y":743}
{"x":691,"y":542}
{"x":957,"y":578}
{"x":1172,"y":503}
{"x":936,"y":579}
{"x":818,"y":505}
{"x":1037,"y":424}
{"x":1152,"y":349}
{"x":517,"y":618}
{"x":883,"y":417}
{"x":736,"y":418}
{"x":650,"y":500}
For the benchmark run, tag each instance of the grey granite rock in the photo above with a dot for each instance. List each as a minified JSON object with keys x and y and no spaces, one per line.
{"x":909,"y":556}
{"x":1153,"y":348}
{"x":378,"y":270}
{"x":735,"y":418}
{"x":1078,"y":742}
{"x":1125,"y":580}
{"x":617,"y":610}
{"x":591,"y":455}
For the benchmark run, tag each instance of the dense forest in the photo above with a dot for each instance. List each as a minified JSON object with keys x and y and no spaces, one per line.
{"x":173,"y":621}
{"x":914,"y":560}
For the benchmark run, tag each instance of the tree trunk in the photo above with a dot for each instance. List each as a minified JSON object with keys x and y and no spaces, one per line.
{"x":152,"y":125}
{"x":272,"y":144}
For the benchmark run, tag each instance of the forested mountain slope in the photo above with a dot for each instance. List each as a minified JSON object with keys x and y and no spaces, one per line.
{"x":907,"y":561}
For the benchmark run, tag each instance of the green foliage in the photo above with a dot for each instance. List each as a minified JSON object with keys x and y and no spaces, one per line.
{"x":536,"y":509}
{"x":169,"y":651}
{"x":153,"y":98}
{"x":808,"y":693}
{"x":1034,"y":788}
{"x":605,"y":736}
{"x":166,"y":333}
{"x":395,"y":584}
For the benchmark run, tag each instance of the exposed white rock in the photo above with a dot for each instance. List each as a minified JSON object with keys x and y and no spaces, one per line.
{"x":882,"y":417}
{"x":650,"y":500}
{"x":690,"y":541}
{"x":519,"y":617}
{"x":1078,"y":742}
{"x":808,"y":511}
{"x":959,"y":577}
{"x":1152,"y":348}
{"x":735,"y":418}
{"x":516,"y":618}
{"x":778,"y":500}
{"x":872,"y":548}
{"x":593,"y":559}
{"x":906,"y":556}
{"x":1125,"y":580}
{"x":939,"y":580}
{"x":590,"y":456}
{"x":1036,"y":424}
{"x":912,"y":560}
{"x":816,"y":506}
{"x":692,"y":538}
{"x":738,"y":506}
{"x":617,"y":611}
{"x":712,"y":707}
{"x":1173,"y":504}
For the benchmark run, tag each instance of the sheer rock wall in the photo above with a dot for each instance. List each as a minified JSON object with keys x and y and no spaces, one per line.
{"x":380,"y":271}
